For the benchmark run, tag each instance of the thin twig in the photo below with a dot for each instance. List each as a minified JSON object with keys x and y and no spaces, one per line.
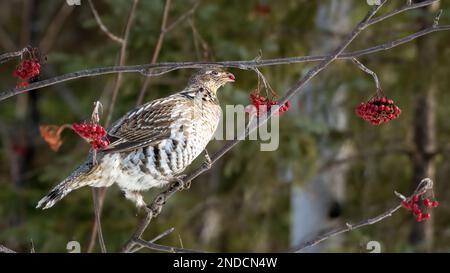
{"x":139,"y":231}
{"x":163,"y":30}
{"x":348,"y":227}
{"x":183,"y":16}
{"x":164,"y":248}
{"x":157,"y":49}
{"x":122,"y":58}
{"x":404,"y":8}
{"x":6,"y":41}
{"x":164,"y":234}
{"x":197,"y":38}
{"x":437,"y":18}
{"x":160,"y":236}
{"x":424,"y":186}
{"x":11,"y":55}
{"x":245,"y":65}
{"x":102,"y":26}
{"x":368,"y":71}
{"x":100,"y":194}
{"x":97,"y":228}
{"x":54,"y":27}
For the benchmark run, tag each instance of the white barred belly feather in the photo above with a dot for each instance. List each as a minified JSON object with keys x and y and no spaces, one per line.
{"x":153,"y":143}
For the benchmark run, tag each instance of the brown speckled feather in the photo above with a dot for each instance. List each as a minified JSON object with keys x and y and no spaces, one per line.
{"x":147,"y":125}
{"x":152,"y":143}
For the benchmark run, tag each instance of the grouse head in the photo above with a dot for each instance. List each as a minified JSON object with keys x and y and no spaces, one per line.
{"x":211,"y":78}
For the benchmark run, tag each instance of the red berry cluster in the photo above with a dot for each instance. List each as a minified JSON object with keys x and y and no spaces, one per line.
{"x":413,"y":205}
{"x":378,"y":110}
{"x":263,"y":104}
{"x":27,"y":69}
{"x":94,"y":134}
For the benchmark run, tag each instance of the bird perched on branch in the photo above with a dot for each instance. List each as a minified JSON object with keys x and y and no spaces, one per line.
{"x":152,"y":144}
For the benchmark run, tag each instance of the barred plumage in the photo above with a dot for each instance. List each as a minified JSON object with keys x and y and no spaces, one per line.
{"x":153,"y":143}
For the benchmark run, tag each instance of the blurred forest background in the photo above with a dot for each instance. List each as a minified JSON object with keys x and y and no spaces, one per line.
{"x":331,"y":167}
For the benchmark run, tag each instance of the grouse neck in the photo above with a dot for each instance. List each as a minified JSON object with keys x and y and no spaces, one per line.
{"x":200,"y":91}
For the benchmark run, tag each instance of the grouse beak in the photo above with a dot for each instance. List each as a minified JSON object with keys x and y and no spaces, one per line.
{"x":229,"y":77}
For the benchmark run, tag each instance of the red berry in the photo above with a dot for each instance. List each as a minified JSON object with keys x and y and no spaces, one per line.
{"x":27,"y":69}
{"x":417,"y":211}
{"x":415,"y":198}
{"x":419,"y":217}
{"x":262,"y":105}
{"x":434,"y":204}
{"x":406,"y":205}
{"x":425,"y":216}
{"x":378,"y":110}
{"x":426,"y":202}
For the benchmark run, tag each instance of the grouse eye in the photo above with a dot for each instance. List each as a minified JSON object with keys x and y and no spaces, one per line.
{"x":215,"y":73}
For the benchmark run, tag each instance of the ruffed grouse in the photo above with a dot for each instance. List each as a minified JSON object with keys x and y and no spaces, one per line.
{"x":152,"y":143}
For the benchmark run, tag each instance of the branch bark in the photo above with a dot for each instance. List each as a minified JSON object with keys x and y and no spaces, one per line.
{"x":156,"y":50}
{"x":54,"y":27}
{"x":165,"y":67}
{"x":122,"y":59}
{"x":164,"y":29}
{"x":5,"y":57}
{"x":102,"y":26}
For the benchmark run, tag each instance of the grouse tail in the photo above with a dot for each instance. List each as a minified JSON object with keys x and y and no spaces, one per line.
{"x":75,"y":180}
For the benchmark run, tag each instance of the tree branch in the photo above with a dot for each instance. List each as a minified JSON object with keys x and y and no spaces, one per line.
{"x":160,"y":40}
{"x":368,"y":71}
{"x":122,"y":58}
{"x":424,"y":186}
{"x":5,"y":57}
{"x":245,"y":65}
{"x":97,"y":199}
{"x":165,"y":233}
{"x":156,"y":50}
{"x":102,"y":26}
{"x":183,"y":16}
{"x":54,"y":27}
{"x":6,"y":41}
{"x":164,"y":248}
{"x":404,"y":8}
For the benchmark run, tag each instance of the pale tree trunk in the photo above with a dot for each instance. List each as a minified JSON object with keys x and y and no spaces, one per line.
{"x":315,"y":205}
{"x":424,"y":124}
